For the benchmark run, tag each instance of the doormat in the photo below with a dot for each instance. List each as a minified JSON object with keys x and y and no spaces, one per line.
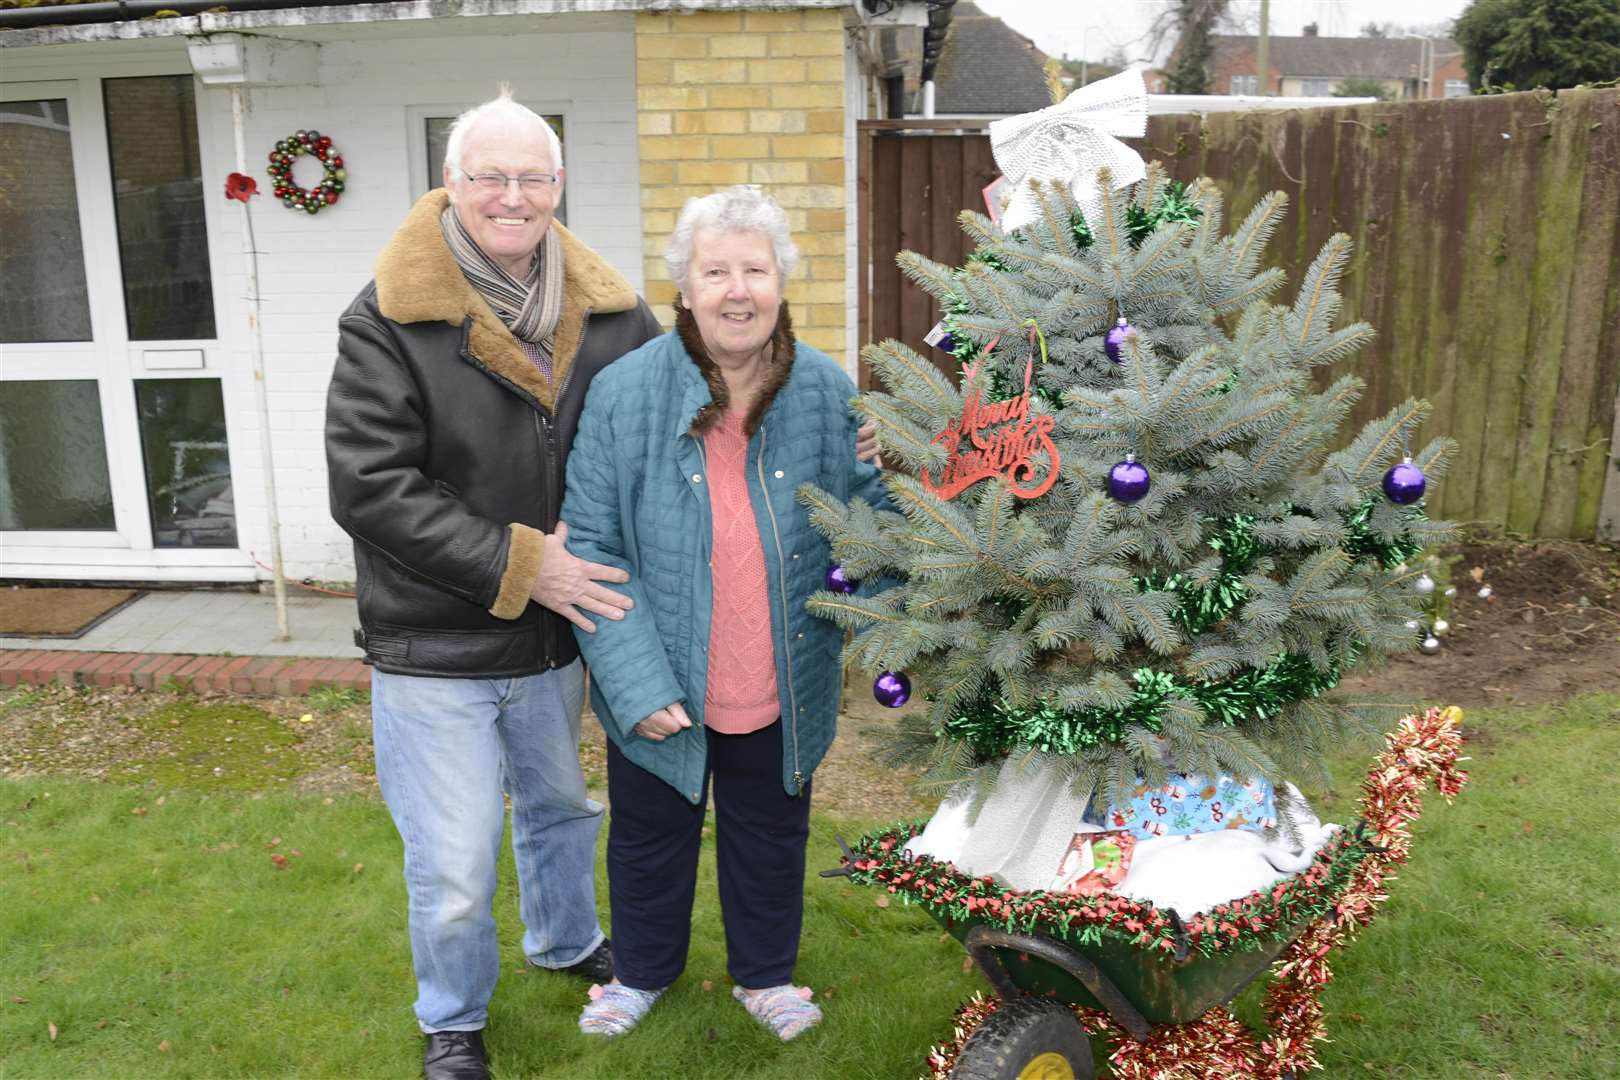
{"x":46,"y":612}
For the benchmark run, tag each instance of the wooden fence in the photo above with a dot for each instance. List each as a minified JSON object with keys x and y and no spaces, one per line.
{"x":1487,"y":236}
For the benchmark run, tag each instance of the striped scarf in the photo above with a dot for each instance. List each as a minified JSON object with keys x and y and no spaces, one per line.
{"x":530,"y":308}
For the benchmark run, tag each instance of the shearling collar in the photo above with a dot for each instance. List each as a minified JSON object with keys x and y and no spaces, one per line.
{"x":783,"y":346}
{"x":418,"y":281}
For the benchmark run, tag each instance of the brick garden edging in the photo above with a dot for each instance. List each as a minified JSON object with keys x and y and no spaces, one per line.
{"x":282,"y":676}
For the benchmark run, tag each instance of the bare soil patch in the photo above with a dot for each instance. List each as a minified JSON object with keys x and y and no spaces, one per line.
{"x":1550,"y":629}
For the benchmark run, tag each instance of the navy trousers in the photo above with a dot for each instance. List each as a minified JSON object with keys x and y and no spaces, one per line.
{"x":652,"y":855}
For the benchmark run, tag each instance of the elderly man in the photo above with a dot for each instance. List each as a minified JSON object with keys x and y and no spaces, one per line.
{"x":461,"y":373}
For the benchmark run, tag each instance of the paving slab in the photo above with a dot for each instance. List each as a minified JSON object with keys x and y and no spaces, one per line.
{"x":211,"y":622}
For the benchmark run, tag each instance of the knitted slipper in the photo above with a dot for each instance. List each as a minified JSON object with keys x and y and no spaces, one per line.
{"x":785,"y":1009}
{"x":615,"y":1008}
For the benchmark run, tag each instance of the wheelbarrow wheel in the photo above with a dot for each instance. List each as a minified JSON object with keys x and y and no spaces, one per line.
{"x":1026,"y":1039}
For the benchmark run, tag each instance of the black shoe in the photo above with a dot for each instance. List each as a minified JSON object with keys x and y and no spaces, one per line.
{"x":455,"y":1055}
{"x":597,"y":967}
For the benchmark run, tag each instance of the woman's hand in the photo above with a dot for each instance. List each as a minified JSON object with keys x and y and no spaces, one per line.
{"x":664,"y":723}
{"x":866,"y":444}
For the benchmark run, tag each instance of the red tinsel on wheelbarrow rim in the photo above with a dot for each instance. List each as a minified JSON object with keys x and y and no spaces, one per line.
{"x":1244,"y":923}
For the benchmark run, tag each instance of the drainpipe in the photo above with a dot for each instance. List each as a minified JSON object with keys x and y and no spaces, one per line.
{"x":928,"y":99}
{"x":250,"y":251}
{"x":895,"y":85}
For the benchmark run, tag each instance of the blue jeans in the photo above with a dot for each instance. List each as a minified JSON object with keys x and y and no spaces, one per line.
{"x":446,"y":750}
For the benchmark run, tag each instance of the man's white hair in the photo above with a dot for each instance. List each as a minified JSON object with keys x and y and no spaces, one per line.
{"x":499,"y":106}
{"x":744,"y":208}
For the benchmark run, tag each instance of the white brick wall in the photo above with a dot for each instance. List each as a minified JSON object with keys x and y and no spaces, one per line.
{"x":311,"y":267}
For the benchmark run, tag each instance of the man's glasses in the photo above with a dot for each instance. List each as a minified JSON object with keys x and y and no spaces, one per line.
{"x":533,"y":183}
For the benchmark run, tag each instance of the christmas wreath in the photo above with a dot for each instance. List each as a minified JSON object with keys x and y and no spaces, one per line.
{"x":289,"y":150}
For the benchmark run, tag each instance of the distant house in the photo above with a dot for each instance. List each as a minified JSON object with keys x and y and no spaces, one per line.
{"x":1314,"y":66}
{"x":987,"y":68}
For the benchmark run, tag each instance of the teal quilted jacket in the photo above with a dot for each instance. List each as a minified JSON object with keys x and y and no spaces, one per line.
{"x":636,"y":499}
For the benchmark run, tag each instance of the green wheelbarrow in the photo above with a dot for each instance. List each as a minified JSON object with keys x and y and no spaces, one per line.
{"x":1142,"y":977}
{"x":1034,"y":1033}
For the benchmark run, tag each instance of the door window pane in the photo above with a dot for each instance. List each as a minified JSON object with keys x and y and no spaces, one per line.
{"x":437,"y":134}
{"x":157,"y":187}
{"x":42,"y":292}
{"x":53,"y":457}
{"x":188,"y":464}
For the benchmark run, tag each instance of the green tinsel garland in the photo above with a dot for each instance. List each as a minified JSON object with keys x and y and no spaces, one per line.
{"x":992,"y":728}
{"x":1173,"y":205}
{"x":1203,"y":607}
{"x":1247,"y":923}
{"x":1362,"y":542}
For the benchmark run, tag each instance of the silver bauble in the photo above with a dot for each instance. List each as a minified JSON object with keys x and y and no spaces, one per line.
{"x":1440,"y":627}
{"x":1424,"y":584}
{"x":1413,"y":624}
{"x":1484,"y":592}
{"x":1451,"y":590}
{"x":1431,"y":645}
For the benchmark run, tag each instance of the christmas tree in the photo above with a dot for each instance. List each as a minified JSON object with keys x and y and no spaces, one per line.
{"x":1125,"y":543}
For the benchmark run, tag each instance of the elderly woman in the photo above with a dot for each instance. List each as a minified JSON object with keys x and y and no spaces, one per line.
{"x":683,"y":473}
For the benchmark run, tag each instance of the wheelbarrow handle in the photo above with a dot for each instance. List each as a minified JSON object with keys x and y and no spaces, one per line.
{"x":982,"y":943}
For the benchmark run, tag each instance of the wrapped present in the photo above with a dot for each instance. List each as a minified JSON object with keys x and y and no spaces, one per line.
{"x":1190,"y":804}
{"x":1095,"y":863}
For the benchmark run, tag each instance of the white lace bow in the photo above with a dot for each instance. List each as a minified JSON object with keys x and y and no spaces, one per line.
{"x":1068,"y":142}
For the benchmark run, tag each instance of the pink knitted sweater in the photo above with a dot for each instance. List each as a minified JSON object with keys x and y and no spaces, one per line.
{"x":742,"y":657}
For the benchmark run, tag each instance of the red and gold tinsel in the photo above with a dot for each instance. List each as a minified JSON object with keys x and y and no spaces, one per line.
{"x":1423,"y":750}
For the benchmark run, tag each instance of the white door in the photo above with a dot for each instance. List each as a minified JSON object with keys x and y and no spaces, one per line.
{"x":114,"y":460}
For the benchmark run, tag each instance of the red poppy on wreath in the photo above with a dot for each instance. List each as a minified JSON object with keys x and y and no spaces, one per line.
{"x":240,"y":186}
{"x":287,"y":151}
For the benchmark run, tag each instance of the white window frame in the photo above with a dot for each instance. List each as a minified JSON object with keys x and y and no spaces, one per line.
{"x":114,"y":361}
{"x":1458,"y":85}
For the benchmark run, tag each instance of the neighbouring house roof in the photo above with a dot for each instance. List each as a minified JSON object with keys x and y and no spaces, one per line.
{"x":1335,"y":57}
{"x":988,"y":68}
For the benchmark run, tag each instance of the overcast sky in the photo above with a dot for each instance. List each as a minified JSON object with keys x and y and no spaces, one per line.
{"x":1060,"y":27}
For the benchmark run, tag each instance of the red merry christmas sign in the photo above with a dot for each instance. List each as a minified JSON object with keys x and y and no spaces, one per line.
{"x":998,"y":439}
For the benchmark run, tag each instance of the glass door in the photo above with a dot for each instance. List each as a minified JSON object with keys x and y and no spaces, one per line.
{"x":112,"y":418}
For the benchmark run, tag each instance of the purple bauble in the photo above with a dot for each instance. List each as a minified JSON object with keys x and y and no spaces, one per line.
{"x":1129,"y":480}
{"x":1404,"y":484}
{"x":839,"y":581}
{"x":892,"y":689}
{"x":1115,"y":338}
{"x":947,"y":344}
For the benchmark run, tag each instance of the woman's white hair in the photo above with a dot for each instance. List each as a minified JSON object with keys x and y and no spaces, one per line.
{"x":744,"y":208}
{"x":501,"y":105}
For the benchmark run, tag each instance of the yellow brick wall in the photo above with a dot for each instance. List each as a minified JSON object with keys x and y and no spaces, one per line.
{"x":748,"y":98}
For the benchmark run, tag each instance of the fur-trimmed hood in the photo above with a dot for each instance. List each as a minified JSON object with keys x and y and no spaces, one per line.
{"x":418,"y":280}
{"x":783,"y":346}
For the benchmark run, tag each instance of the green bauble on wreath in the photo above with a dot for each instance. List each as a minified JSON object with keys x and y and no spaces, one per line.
{"x":289,"y":150}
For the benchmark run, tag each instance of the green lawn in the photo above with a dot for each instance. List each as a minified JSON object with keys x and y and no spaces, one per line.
{"x":152,"y":927}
